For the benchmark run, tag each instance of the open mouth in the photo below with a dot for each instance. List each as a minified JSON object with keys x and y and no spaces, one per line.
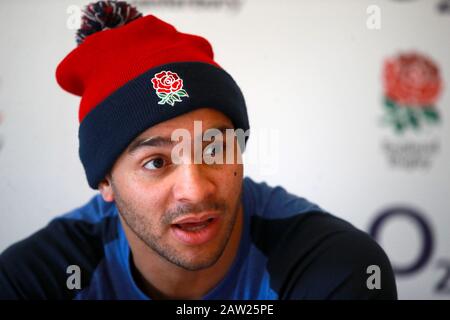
{"x":196,"y":232}
{"x":194,"y":226}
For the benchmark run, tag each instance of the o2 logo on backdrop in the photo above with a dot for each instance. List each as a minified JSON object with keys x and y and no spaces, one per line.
{"x":426,"y":235}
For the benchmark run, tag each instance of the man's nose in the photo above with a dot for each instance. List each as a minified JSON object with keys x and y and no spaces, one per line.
{"x":192,"y":183}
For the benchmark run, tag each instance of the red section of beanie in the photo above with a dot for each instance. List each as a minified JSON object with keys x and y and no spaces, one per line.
{"x":107,"y":60}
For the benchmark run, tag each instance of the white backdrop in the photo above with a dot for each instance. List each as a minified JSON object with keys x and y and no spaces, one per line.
{"x":311,"y":72}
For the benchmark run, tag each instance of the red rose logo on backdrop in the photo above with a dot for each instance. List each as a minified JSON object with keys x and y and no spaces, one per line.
{"x":412,"y":85}
{"x":168,"y":87}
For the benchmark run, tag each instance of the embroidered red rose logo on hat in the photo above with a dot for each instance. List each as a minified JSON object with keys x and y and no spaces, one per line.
{"x":169,"y":87}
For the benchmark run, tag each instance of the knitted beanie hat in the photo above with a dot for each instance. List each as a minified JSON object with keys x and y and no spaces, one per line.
{"x":133,"y":72}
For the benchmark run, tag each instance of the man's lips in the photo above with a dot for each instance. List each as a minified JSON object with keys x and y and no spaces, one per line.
{"x":197,"y":218}
{"x":196,"y":229}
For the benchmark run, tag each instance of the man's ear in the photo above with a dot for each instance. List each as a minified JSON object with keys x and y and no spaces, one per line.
{"x":105,"y":188}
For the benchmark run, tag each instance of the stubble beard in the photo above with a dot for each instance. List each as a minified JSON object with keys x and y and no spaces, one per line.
{"x":144,"y":230}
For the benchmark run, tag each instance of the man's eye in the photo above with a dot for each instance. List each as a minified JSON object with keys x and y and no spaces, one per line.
{"x":154,"y":164}
{"x":212,"y":149}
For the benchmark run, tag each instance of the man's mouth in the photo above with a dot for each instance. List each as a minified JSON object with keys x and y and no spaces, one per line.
{"x":196,"y":230}
{"x":194,"y":226}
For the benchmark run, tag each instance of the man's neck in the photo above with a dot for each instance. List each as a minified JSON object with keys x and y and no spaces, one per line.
{"x":161,"y":279}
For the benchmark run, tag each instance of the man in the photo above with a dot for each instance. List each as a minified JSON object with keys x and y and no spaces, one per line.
{"x":164,"y":226}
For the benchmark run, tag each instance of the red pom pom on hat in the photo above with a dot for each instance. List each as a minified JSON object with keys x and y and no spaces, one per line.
{"x":107,"y":60}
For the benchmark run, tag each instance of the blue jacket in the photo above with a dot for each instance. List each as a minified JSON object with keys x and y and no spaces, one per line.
{"x":290,"y":249}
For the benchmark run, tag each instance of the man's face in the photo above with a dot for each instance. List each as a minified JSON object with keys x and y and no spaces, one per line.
{"x":185,"y":212}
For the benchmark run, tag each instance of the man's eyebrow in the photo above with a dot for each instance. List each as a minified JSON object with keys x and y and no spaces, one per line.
{"x":158,"y":141}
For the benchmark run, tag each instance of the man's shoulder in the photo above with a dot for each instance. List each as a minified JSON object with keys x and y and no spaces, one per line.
{"x":274,"y":202}
{"x":312,"y":253}
{"x":277,"y":215}
{"x":36,"y":266}
{"x":301,"y":231}
{"x":317,"y":255}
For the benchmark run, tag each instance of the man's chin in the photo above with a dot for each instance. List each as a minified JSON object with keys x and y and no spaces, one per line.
{"x":195,"y":258}
{"x":195,"y":263}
